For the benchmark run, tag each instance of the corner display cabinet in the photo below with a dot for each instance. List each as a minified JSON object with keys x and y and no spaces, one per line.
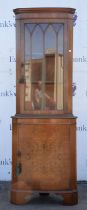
{"x":44,"y":128}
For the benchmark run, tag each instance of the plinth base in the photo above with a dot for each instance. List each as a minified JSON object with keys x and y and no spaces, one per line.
{"x":20,"y":197}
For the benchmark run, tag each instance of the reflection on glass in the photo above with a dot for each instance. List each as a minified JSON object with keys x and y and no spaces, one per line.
{"x":42,"y":97}
{"x":44,"y":67}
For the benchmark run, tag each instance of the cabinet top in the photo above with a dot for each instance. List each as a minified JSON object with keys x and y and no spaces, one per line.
{"x":46,"y":9}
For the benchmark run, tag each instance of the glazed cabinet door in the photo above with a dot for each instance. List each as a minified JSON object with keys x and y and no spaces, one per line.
{"x":43,"y":72}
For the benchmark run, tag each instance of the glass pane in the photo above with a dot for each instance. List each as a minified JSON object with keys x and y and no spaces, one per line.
{"x":37,"y":43}
{"x":38,"y":95}
{"x":43,"y":66}
{"x":57,"y":26}
{"x":59,"y":87}
{"x":50,"y":101}
{"x":27,"y":44}
{"x":50,"y":67}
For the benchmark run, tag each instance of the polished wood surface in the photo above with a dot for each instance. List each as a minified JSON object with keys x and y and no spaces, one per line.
{"x":49,"y":9}
{"x":45,"y":154}
{"x":44,"y":138}
{"x":20,"y":65}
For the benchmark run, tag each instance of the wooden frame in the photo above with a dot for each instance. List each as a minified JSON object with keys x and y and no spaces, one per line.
{"x":67,"y":53}
{"x":44,"y":141}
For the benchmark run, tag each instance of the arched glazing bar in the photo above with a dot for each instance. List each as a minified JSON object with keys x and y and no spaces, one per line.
{"x":44,"y":66}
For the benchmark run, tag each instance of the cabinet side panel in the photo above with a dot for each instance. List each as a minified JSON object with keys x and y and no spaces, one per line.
{"x":70,"y":58}
{"x":73,"y":155}
{"x":18,"y":64}
{"x":14,"y":148}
